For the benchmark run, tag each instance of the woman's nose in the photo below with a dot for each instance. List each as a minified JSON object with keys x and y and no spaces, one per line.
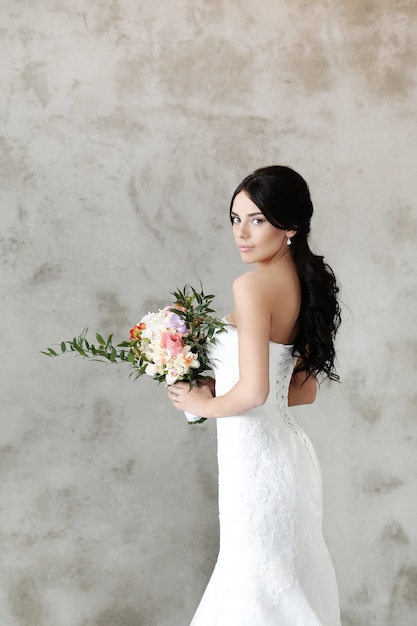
{"x":242,"y":232}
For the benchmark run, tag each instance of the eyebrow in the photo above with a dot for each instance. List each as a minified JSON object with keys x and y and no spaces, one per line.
{"x":248,"y":215}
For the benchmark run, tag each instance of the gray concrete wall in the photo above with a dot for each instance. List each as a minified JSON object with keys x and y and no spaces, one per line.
{"x":125,"y":127}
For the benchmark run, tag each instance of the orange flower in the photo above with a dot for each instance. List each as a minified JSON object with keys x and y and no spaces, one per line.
{"x":136,"y":331}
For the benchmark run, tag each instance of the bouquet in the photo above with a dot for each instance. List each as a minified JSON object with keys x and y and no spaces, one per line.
{"x":170,"y":345}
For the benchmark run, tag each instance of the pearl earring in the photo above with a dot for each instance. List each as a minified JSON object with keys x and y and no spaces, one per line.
{"x":289,"y":241}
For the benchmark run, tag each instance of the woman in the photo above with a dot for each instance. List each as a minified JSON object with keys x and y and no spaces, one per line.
{"x":273,"y":567}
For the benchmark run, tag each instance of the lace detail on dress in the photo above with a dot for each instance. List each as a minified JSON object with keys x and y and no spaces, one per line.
{"x":272,"y":555}
{"x":285,"y":370}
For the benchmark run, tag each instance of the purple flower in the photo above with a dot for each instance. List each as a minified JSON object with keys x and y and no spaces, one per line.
{"x":175,"y":321}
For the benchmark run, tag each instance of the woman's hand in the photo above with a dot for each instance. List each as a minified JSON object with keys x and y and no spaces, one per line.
{"x":192,"y":400}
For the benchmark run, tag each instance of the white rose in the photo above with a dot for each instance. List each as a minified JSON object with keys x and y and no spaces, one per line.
{"x":172,"y":377}
{"x":151,"y":369}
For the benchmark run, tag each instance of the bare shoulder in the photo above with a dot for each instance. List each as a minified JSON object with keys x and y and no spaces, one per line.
{"x":269,"y":299}
{"x":248,"y":280}
{"x":261,"y":284}
{"x":252,"y":297}
{"x":250,"y":285}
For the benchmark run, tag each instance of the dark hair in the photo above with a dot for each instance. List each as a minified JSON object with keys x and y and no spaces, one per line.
{"x":284,"y":198}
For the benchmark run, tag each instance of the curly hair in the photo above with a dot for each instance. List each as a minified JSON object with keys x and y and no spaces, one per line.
{"x":284,"y":198}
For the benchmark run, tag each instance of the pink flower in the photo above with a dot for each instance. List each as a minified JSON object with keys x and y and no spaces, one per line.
{"x":173,"y":343}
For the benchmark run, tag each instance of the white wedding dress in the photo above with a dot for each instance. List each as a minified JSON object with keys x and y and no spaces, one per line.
{"x":273,"y":567}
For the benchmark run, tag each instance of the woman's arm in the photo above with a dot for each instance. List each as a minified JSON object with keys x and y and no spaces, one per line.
{"x":253,"y":317}
{"x":302,"y":390}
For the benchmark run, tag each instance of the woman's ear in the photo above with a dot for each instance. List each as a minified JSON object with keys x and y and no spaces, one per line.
{"x":290,"y":233}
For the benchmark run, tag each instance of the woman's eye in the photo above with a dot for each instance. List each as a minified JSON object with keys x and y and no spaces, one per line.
{"x":257,"y":220}
{"x":235,"y":220}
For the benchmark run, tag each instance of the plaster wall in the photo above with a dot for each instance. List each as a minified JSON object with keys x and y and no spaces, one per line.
{"x":125,"y":127}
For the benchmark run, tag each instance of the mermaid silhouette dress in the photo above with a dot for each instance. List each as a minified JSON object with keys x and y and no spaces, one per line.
{"x":273,"y":567}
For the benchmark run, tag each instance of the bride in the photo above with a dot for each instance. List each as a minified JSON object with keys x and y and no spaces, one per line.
{"x":273,"y":567}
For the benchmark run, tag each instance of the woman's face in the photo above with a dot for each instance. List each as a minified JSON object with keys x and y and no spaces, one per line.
{"x":257,"y":240}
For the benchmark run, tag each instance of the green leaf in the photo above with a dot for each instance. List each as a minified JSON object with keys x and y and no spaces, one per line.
{"x":79,"y":349}
{"x":82,"y":335}
{"x":178,"y":312}
{"x":100,"y":339}
{"x":49,"y":352}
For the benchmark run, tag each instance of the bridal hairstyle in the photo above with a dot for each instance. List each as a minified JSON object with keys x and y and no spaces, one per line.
{"x":284,"y":198}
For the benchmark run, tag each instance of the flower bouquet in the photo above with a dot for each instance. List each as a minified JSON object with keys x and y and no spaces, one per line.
{"x":170,"y":345}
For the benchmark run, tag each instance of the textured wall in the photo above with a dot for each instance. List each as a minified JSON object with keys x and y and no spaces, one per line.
{"x":125,"y":127}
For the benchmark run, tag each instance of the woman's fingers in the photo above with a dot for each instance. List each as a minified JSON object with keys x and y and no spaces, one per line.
{"x":174,"y":392}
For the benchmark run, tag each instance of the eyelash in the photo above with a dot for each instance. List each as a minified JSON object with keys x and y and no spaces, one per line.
{"x":256,"y":220}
